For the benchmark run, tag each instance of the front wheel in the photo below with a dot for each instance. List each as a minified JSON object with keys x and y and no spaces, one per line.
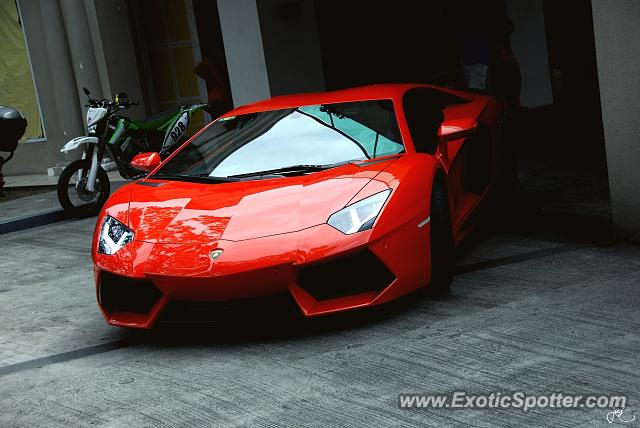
{"x":442,"y":248}
{"x":72,"y":189}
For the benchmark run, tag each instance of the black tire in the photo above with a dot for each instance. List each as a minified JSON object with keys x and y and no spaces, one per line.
{"x":442,"y":249}
{"x":79,"y":202}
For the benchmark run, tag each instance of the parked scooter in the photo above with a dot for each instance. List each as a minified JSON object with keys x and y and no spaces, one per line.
{"x":83,"y":186}
{"x":12,"y":128}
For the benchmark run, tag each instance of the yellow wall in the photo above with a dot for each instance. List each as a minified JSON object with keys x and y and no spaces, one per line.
{"x":16,"y":84}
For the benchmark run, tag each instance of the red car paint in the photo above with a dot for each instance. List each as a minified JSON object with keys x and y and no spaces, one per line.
{"x":269,"y":229}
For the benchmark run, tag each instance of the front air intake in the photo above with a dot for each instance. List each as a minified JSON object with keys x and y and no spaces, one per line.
{"x":353,"y":274}
{"x":123,"y":294}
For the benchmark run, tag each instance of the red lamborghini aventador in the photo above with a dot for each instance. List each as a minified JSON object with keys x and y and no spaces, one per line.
{"x":343,"y":199}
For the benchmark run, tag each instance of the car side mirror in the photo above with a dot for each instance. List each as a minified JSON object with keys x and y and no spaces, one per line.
{"x":146,"y":161}
{"x":454,"y":129}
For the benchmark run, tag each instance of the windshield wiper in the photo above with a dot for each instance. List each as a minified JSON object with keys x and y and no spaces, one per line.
{"x":196,"y":178}
{"x":289,"y":170}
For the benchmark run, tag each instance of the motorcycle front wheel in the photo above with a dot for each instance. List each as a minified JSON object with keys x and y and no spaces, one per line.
{"x":72,"y":189}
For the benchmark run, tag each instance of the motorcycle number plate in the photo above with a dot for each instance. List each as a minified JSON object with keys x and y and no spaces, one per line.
{"x":180,"y":127}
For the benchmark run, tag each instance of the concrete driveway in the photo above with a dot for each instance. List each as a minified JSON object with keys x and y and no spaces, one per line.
{"x":524,"y":314}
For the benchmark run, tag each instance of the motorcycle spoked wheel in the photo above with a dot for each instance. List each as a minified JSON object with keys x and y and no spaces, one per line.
{"x":72,"y":189}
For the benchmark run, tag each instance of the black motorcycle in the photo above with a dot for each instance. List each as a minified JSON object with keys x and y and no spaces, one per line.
{"x":12,"y":128}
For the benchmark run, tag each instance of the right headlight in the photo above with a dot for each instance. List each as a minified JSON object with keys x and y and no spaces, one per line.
{"x":359,"y":216}
{"x":113,"y":236}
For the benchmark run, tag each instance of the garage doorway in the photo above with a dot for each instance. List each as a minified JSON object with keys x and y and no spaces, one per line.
{"x":560,"y":146}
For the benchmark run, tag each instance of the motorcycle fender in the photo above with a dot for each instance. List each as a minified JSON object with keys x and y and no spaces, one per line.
{"x":77,"y":142}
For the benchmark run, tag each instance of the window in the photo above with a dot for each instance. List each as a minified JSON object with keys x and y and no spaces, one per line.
{"x":350,"y":118}
{"x":318,"y":135}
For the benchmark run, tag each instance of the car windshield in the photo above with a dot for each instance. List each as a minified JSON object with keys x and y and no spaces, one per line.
{"x":288,"y":141}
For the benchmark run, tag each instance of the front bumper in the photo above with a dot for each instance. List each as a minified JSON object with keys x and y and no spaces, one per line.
{"x":135,"y":285}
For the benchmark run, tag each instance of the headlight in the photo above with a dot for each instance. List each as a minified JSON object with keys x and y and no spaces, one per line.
{"x":113,"y":236}
{"x":359,"y":216}
{"x":92,"y":129}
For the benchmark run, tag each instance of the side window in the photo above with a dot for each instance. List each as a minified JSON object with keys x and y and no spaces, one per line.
{"x":373,"y":127}
{"x":423,"y":111}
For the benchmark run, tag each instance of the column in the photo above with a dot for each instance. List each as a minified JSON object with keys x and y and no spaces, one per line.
{"x":83,"y":61}
{"x":271,"y":48}
{"x":617,"y":40}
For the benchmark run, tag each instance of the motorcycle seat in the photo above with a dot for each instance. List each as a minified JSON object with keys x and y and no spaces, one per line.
{"x":156,"y":121}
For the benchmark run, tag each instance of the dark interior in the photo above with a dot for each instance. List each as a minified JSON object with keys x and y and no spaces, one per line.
{"x":559,"y":147}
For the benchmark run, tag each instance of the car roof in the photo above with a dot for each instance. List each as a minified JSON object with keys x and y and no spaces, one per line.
{"x":360,"y":93}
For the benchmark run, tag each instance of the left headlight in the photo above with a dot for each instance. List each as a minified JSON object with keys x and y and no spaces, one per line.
{"x":113,"y":236}
{"x":360,"y":215}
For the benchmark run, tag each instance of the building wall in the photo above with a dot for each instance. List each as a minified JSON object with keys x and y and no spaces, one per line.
{"x":290,"y":37}
{"x":115,"y":50}
{"x":16,"y":82}
{"x":244,"y":50}
{"x":366,"y":43}
{"x":51,"y":67}
{"x":617,"y":38}
{"x":271,"y":47}
{"x":169,"y":51}
{"x":73,"y":44}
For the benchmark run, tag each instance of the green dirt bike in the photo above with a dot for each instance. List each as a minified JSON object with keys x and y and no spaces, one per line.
{"x":83,"y":186}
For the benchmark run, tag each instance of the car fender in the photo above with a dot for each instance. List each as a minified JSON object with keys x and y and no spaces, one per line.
{"x":401,"y":236}
{"x":411,"y":180}
{"x":77,"y":142}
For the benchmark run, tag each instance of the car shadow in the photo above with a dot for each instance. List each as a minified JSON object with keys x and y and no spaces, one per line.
{"x":269,"y":324}
{"x":266,"y":319}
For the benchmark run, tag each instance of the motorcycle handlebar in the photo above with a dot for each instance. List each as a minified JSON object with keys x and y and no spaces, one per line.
{"x":126,"y":105}
{"x":111,"y":103}
{"x":105,"y":102}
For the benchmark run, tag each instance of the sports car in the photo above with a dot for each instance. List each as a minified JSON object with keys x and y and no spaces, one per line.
{"x":340,"y":200}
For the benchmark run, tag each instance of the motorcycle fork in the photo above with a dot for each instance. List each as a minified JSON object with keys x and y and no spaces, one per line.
{"x":93,"y":169}
{"x":84,"y":156}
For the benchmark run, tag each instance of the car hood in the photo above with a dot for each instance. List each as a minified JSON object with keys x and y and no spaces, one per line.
{"x":187,"y":212}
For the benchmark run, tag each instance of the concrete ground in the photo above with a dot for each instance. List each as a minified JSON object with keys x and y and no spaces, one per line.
{"x":525,"y":314}
{"x":544,"y":301}
{"x":28,"y":180}
{"x":34,"y":205}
